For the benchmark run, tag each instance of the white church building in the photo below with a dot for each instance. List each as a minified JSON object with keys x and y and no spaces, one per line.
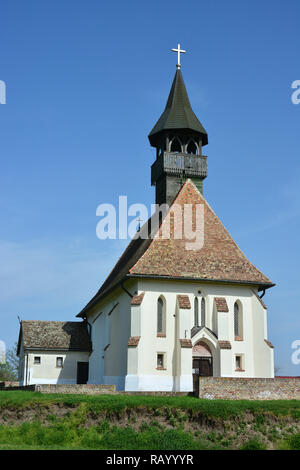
{"x":170,"y":312}
{"x":167,"y":314}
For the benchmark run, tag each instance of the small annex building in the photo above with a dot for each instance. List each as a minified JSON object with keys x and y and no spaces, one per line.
{"x":53,"y":352}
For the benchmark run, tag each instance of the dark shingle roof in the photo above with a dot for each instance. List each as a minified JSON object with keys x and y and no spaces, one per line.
{"x":178,"y":113}
{"x":220,"y":259}
{"x":54,"y":335}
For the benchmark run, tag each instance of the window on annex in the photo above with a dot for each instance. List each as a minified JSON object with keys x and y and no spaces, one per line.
{"x":37,"y":359}
{"x":59,"y":362}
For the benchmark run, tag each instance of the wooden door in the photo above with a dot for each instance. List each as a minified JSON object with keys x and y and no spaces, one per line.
{"x":82,"y":372}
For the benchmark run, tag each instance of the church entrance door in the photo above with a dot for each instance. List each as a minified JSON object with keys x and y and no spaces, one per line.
{"x":202,"y":363}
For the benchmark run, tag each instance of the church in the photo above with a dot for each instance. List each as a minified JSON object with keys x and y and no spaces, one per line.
{"x":170,"y":311}
{"x":166,"y":314}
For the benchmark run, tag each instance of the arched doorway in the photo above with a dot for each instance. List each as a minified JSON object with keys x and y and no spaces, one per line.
{"x":202,"y":362}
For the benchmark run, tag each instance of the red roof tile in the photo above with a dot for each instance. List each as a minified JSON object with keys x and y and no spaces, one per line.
{"x":220,"y":259}
{"x":269,"y":343}
{"x":183,"y":301}
{"x":186,"y":343}
{"x":221,"y":304}
{"x":137,"y":299}
{"x":133,"y":340}
{"x":224,"y":344}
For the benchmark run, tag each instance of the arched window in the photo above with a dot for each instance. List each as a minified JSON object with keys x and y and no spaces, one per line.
{"x":175,"y":145}
{"x":238,"y":321}
{"x":203,"y":311}
{"x":161,"y":317}
{"x":192,"y":147}
{"x":196,"y":312}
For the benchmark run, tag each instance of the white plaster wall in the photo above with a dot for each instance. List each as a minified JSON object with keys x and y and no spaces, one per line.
{"x":108,"y":365}
{"x":254,"y":328}
{"x":141,"y":373}
{"x":47,"y":373}
{"x":263,"y":354}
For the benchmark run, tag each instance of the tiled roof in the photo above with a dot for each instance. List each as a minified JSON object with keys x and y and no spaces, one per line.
{"x":178,"y":113}
{"x":54,"y":335}
{"x":183,"y":301}
{"x":220,"y":259}
{"x":137,"y":299}
{"x":224,"y":344}
{"x":133,"y":341}
{"x":269,"y":344}
{"x":221,"y":304}
{"x":186,"y":343}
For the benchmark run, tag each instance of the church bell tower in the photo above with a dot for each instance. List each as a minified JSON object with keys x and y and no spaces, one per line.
{"x":178,"y":137}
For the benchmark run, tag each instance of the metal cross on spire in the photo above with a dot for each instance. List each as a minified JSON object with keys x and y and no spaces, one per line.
{"x":179,"y":51}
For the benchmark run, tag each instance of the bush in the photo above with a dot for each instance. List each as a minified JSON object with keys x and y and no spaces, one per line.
{"x":253,"y":444}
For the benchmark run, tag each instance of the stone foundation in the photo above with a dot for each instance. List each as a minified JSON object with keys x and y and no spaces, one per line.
{"x":84,"y":389}
{"x":229,"y":388}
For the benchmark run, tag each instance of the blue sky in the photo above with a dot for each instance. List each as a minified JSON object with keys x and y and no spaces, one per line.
{"x":86,"y":81}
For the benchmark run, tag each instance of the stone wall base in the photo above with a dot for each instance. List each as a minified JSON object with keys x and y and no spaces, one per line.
{"x":230,"y":388}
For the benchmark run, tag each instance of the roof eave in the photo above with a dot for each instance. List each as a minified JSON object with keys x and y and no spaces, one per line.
{"x":56,"y":349}
{"x":260,"y":285}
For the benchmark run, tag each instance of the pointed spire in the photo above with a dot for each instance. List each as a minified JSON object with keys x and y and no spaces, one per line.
{"x":178,"y":113}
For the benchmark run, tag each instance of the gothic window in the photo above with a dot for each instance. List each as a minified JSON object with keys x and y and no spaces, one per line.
{"x":175,"y":145}
{"x":238,"y":326}
{"x":203,"y":311}
{"x":196,"y":312}
{"x":192,"y":147}
{"x":161,"y":317}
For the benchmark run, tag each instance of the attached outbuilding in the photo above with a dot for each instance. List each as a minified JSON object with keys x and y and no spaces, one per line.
{"x":53,"y":352}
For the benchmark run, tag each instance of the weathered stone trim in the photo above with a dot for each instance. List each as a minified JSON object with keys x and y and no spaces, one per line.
{"x":221,"y":304}
{"x":184,"y":301}
{"x":133,"y":341}
{"x":161,"y":335}
{"x":137,"y":299}
{"x":224,"y":344}
{"x":186,"y":343}
{"x":238,"y":338}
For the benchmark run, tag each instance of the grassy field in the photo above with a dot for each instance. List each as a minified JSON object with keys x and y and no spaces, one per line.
{"x":29,"y":420}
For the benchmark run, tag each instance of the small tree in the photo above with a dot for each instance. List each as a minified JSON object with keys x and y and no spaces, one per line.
{"x":10,"y":370}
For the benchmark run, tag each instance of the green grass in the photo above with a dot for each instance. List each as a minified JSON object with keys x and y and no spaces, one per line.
{"x":64,"y":435}
{"x":98,"y":422}
{"x":117,"y":403}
